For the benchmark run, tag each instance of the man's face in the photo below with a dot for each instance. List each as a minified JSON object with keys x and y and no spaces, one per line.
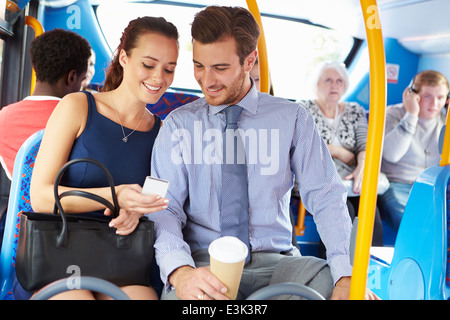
{"x":432,"y":101}
{"x":223,"y":80}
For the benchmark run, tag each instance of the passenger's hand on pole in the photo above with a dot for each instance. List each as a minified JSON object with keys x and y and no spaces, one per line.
{"x":342,"y":291}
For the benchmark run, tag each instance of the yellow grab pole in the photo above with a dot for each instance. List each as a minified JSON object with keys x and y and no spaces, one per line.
{"x":375,"y":137}
{"x":38,"y":30}
{"x":262,"y":49}
{"x":445,"y":156}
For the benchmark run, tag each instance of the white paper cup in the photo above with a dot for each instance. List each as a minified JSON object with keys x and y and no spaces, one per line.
{"x":227,"y":258}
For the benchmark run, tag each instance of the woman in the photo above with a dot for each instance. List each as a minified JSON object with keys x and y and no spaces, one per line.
{"x":115,"y":128}
{"x":343,"y":126}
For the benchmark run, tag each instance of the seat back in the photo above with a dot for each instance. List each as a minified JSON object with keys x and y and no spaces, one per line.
{"x":19,"y":201}
{"x":170,"y":101}
{"x":419,"y":266}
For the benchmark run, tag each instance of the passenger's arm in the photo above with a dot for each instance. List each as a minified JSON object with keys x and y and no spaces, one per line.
{"x":342,"y":154}
{"x":172,"y":252}
{"x":322,"y":193}
{"x":357,"y":174}
{"x":400,"y":128}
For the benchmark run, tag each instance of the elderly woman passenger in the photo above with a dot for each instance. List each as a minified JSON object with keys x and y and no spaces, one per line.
{"x":343,"y":126}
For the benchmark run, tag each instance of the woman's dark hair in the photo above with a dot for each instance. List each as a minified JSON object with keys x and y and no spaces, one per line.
{"x":217,"y":22}
{"x":57,"y":52}
{"x":128,"y":41}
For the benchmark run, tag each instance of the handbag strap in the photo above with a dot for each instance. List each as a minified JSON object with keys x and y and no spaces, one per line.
{"x":88,"y":195}
{"x":63,"y":237}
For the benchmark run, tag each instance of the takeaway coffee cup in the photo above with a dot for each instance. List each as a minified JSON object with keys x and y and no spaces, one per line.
{"x":227,"y":258}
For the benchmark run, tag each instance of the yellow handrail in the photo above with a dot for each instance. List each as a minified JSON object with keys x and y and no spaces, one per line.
{"x":38,"y":30}
{"x":445,"y":155}
{"x":262,"y":49}
{"x":375,"y":137}
{"x":300,"y":227}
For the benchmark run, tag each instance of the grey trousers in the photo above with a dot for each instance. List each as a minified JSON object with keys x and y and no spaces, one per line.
{"x":270,"y":268}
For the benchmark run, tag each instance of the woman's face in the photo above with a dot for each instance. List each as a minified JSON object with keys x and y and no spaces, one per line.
{"x":90,"y":71}
{"x":330,"y":87}
{"x":149,"y":69}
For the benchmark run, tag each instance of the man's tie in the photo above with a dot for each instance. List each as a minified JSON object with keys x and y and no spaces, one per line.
{"x":234,"y":204}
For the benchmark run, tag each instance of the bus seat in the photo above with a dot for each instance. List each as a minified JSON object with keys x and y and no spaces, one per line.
{"x":420,"y":261}
{"x":19,"y":200}
{"x":170,"y":101}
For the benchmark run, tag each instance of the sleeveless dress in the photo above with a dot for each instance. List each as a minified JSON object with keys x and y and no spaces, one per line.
{"x":128,"y":162}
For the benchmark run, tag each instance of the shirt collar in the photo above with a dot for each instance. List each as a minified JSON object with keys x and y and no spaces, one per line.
{"x":41,"y":98}
{"x":249,"y":102}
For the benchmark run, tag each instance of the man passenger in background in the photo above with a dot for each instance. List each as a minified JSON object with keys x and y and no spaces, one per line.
{"x":60,"y":60}
{"x":411,"y":140}
{"x":224,"y":51}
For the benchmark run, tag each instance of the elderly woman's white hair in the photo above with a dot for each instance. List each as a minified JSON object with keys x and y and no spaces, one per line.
{"x":339,"y":67}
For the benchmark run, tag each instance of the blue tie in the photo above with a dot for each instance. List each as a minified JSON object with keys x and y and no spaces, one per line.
{"x":234,"y":204}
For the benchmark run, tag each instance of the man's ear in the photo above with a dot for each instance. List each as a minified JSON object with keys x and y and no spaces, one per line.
{"x":250,"y":60}
{"x":71,"y":77}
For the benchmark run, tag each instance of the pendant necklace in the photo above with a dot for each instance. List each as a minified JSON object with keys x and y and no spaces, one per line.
{"x":125,"y":137}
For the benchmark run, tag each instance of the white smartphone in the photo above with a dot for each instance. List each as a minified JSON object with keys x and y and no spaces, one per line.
{"x":155,"y":186}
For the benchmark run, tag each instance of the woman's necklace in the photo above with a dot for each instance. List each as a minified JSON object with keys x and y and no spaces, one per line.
{"x":125,"y":137}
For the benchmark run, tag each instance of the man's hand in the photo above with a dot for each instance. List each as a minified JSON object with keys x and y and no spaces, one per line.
{"x":197,"y":284}
{"x":342,"y":291}
{"x":411,"y":102}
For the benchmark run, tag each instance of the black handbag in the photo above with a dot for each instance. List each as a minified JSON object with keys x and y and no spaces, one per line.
{"x":51,"y":246}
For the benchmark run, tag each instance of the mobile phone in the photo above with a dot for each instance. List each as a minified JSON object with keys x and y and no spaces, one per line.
{"x":411,"y":86}
{"x":155,"y":186}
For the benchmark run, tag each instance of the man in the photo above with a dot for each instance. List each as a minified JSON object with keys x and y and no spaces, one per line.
{"x":411,"y":140}
{"x":282,"y":142}
{"x":60,"y":60}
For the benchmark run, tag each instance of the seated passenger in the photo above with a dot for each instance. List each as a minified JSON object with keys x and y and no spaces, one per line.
{"x":224,"y":51}
{"x":343,"y":126}
{"x":411,"y":140}
{"x":59,"y":58}
{"x":115,"y":128}
{"x":254,"y":74}
{"x":85,"y":85}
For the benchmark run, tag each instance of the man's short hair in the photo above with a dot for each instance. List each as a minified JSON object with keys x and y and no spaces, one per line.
{"x":56,"y":52}
{"x":216,"y":22}
{"x":430,"y":78}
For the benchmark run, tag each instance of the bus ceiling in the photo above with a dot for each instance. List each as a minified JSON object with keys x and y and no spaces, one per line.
{"x":410,"y":43}
{"x":401,"y":19}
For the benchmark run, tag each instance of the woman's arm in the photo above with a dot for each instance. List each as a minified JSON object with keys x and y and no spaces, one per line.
{"x":357,"y":174}
{"x":66,"y":124}
{"x":342,"y":154}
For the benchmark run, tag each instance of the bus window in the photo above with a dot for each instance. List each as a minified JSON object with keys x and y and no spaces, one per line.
{"x":292,"y":58}
{"x":298,"y":53}
{"x":113,"y":21}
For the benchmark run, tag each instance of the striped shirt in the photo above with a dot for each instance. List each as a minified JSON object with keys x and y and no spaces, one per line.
{"x":281,"y":141}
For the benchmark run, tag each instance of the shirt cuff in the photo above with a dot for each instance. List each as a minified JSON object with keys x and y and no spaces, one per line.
{"x":172,"y":261}
{"x":340,"y":267}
